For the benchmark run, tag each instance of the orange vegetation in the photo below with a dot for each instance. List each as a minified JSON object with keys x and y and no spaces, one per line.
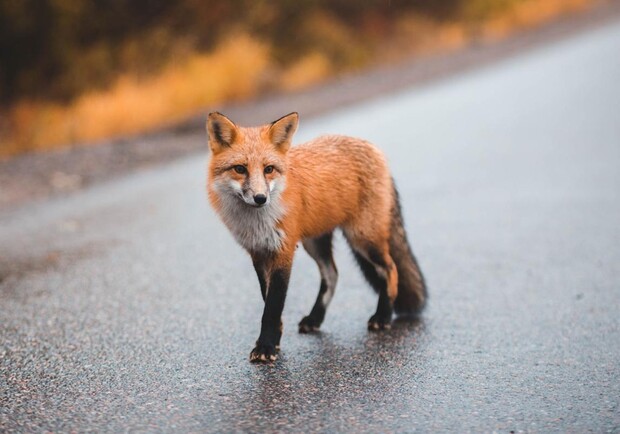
{"x":241,"y":67}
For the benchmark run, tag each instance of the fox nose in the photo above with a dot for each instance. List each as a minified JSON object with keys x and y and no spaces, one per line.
{"x":260,"y":199}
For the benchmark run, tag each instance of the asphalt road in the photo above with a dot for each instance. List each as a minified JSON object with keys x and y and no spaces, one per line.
{"x":128,"y":307}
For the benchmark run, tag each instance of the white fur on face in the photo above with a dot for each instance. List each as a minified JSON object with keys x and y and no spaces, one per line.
{"x":255,"y":228}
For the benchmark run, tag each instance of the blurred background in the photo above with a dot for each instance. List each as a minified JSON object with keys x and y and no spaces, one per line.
{"x":75,"y":72}
{"x":128,"y":306}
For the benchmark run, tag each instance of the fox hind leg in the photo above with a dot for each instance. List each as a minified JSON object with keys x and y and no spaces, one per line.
{"x":380,"y":271}
{"x":320,"y":249}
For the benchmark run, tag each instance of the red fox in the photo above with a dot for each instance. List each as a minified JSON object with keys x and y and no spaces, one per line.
{"x":272,"y":196}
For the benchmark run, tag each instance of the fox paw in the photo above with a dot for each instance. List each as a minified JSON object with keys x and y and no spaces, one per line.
{"x":264,"y":353}
{"x":376,"y":323}
{"x":309,"y":325}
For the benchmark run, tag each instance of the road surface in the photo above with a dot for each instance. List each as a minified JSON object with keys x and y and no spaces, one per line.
{"x":128,"y":307}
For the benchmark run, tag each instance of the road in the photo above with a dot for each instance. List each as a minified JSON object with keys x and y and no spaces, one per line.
{"x":128,"y":307}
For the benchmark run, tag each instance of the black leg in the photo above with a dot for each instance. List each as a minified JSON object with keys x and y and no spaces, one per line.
{"x":261,"y":273}
{"x":271,"y":325}
{"x":320,"y":249}
{"x":370,"y":273}
{"x":312,"y":322}
{"x":382,"y":318}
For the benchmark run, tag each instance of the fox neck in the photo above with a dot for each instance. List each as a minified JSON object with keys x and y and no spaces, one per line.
{"x":256,"y":229}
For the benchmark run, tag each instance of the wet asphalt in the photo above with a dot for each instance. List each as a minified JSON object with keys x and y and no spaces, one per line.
{"x":128,"y":306}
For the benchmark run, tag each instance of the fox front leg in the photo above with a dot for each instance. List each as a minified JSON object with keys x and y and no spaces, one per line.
{"x":271,"y":323}
{"x":262,"y":272}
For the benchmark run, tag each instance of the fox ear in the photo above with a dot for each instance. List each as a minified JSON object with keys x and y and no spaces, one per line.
{"x":281,"y":131}
{"x":221,"y":130}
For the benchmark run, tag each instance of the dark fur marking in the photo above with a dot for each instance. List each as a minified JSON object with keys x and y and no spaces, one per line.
{"x":323,"y":287}
{"x":287,"y":128}
{"x":274,"y":303}
{"x":271,"y":324}
{"x":324,"y":246}
{"x":377,"y":282}
{"x":259,"y":267}
{"x":323,"y":250}
{"x":285,"y":137}
{"x":314,"y":320}
{"x":318,"y":310}
{"x":285,"y":116}
{"x":217,"y":132}
{"x":246,"y":183}
{"x":376,"y":257}
{"x":412,"y":292}
{"x":383,"y":315}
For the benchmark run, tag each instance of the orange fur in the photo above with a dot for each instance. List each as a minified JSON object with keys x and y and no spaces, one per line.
{"x":331,"y":181}
{"x":272,"y":196}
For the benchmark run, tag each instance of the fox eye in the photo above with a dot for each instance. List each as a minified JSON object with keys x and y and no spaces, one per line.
{"x":268,"y":169}
{"x":240,"y":169}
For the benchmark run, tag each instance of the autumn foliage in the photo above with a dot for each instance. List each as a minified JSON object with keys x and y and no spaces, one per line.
{"x":74,"y":72}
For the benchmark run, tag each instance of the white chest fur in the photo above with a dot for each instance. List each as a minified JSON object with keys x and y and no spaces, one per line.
{"x":254,"y":228}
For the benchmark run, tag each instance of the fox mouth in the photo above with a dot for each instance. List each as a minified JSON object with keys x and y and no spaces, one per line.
{"x":251,"y":204}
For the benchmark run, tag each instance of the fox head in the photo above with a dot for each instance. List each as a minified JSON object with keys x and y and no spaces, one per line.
{"x":249,"y":164}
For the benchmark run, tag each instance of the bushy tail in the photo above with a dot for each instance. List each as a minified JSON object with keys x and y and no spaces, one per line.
{"x":412,"y":295}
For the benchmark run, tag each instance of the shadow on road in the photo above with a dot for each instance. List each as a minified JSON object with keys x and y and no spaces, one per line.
{"x":293,"y":386}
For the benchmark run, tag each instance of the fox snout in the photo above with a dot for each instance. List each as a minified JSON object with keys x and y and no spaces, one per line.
{"x":260,"y":199}
{"x":255,"y":190}
{"x":256,"y":200}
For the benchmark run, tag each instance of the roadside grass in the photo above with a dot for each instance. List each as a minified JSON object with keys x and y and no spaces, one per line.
{"x":242,"y":67}
{"x":132,"y":105}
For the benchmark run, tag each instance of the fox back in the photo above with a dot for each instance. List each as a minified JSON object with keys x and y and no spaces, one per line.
{"x":265,"y":190}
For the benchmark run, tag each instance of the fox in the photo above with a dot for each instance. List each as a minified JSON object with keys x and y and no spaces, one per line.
{"x":272,"y":196}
